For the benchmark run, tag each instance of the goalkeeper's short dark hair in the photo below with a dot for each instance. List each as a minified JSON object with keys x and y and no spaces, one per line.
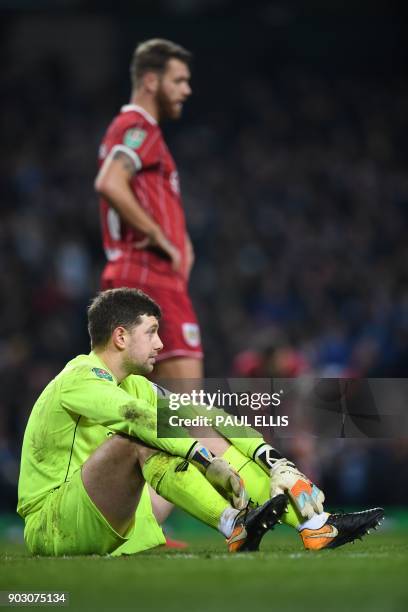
{"x":118,"y":307}
{"x":153,"y":55}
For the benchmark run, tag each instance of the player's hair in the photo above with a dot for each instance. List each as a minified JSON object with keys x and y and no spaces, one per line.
{"x":153,"y":55}
{"x":118,"y":307}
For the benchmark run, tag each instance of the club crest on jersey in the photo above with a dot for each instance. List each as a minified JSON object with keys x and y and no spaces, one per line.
{"x":134,"y":138}
{"x":102,"y":374}
{"x":191,"y":334}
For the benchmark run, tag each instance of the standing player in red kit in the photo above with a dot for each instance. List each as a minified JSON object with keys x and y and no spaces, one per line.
{"x":144,"y":230}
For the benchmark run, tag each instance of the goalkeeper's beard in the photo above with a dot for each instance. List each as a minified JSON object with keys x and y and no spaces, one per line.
{"x":132,"y":367}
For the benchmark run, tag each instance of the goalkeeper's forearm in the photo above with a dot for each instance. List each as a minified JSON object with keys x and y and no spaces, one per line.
{"x":249,"y":441}
{"x":284,"y":476}
{"x":220,"y":474}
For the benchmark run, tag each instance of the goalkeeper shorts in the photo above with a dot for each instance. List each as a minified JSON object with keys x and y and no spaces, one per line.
{"x":69,"y":523}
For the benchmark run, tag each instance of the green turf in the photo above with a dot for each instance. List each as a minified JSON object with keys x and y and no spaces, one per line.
{"x":367,"y":576}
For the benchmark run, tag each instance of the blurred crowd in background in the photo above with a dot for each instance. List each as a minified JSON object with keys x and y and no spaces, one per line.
{"x":296,"y":193}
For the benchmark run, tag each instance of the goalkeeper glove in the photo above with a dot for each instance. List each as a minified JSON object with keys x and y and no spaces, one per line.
{"x":286,"y":478}
{"x":220,"y":474}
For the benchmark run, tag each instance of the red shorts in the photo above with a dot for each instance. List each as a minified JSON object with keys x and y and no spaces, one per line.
{"x":179,"y":329}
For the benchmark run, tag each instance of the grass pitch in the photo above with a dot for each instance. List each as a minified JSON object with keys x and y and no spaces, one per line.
{"x":367,"y":576}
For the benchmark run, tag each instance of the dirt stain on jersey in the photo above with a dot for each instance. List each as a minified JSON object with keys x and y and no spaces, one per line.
{"x":144,"y":418}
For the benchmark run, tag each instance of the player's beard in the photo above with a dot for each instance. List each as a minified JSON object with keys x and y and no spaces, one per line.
{"x":167,"y":110}
{"x":132,"y":367}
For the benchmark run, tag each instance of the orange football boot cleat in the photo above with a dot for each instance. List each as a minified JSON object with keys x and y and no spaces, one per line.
{"x":340,"y":529}
{"x":251,"y":525}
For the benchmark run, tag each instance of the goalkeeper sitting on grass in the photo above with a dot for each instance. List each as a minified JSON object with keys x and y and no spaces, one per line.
{"x":91,"y":445}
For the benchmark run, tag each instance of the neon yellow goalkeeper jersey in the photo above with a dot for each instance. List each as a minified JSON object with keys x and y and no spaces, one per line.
{"x":74,"y":415}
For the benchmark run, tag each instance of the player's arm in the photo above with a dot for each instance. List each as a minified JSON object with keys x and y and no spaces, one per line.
{"x":113,"y":183}
{"x":284,"y":475}
{"x":86,"y":394}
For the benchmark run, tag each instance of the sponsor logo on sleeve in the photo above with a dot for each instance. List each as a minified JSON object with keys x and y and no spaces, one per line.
{"x":100,"y":373}
{"x":191,"y":334}
{"x":134,"y":138}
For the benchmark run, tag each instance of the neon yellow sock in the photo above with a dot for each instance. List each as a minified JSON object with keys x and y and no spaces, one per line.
{"x":257,"y":483}
{"x":185,"y":486}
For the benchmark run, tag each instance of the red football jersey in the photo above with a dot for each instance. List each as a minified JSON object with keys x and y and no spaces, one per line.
{"x":156,"y":187}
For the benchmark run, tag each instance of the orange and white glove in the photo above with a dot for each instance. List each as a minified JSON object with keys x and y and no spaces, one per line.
{"x":286,"y":478}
